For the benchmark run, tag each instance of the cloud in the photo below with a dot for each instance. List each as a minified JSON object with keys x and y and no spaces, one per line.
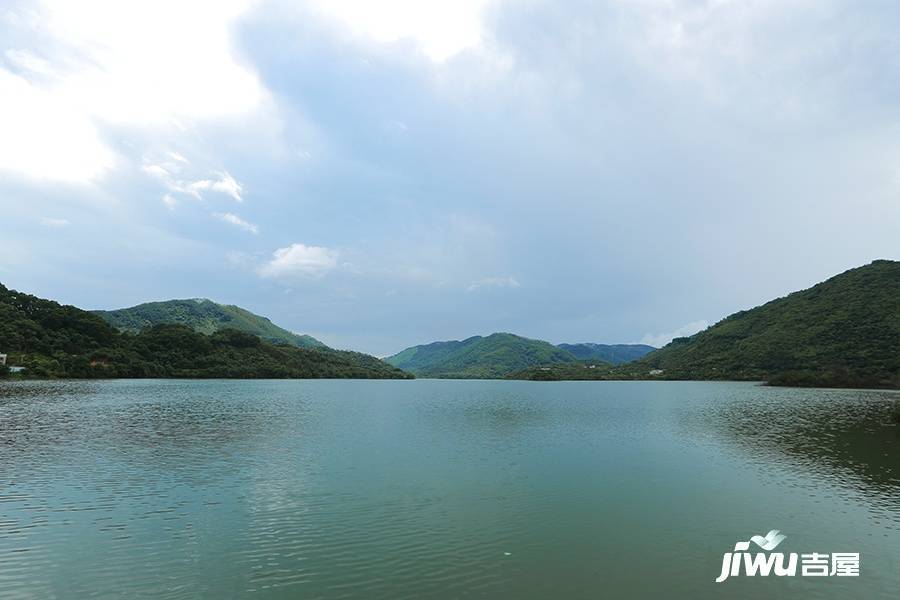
{"x":300,"y":260}
{"x":165,"y":172}
{"x":46,"y":139}
{"x":500,"y":282}
{"x":169,"y":201}
{"x":237,"y":221}
{"x":661,"y":339}
{"x":226,"y":184}
{"x":441,"y":29}
{"x":53,"y":222}
{"x":156,"y":171}
{"x":74,"y":67}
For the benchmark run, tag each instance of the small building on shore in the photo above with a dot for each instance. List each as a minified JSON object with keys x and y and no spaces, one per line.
{"x":2,"y":359}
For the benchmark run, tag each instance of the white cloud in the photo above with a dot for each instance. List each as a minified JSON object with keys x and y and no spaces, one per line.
{"x":226,"y":184}
{"x":239,"y":222}
{"x":92,"y":62}
{"x":661,"y":339}
{"x":152,"y":62}
{"x":53,"y":222}
{"x":196,"y":187}
{"x":300,"y":260}
{"x":44,"y":138}
{"x":501,"y":282}
{"x":442,"y":29}
{"x":155,"y":171}
{"x":178,"y":157}
{"x":165,"y":171}
{"x":27,"y":61}
{"x":169,"y":201}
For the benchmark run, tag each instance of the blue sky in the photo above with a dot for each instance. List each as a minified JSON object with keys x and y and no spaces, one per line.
{"x":385,"y":174}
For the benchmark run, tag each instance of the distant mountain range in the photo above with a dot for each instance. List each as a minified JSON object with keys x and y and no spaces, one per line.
{"x":614,"y":354}
{"x":500,"y":354}
{"x":203,"y":316}
{"x":843,"y":332}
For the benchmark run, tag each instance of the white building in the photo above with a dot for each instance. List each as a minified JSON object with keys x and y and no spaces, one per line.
{"x":2,"y":359}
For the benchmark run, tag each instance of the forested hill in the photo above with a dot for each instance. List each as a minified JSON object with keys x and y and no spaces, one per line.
{"x":494,"y":356}
{"x":844,"y":331}
{"x":52,"y":340}
{"x":204,"y":316}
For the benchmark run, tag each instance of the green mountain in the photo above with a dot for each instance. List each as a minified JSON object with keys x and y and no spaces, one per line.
{"x":204,"y":316}
{"x":494,"y":356}
{"x":843,"y":332}
{"x":51,"y":340}
{"x":614,"y":354}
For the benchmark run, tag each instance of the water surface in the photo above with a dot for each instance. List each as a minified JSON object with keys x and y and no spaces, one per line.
{"x":437,"y":489}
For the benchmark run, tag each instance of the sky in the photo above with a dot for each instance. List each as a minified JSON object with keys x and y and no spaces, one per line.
{"x":386,"y":174}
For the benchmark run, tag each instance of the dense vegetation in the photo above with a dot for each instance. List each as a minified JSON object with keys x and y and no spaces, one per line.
{"x":569,"y":371}
{"x":843,"y":332}
{"x":52,"y":340}
{"x":204,"y":316}
{"x":614,"y":354}
{"x":494,"y":356}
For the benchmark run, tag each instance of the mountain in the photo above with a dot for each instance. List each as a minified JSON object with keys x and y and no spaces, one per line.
{"x":52,"y":340}
{"x":614,"y":354}
{"x":496,"y":355}
{"x":204,"y":316}
{"x":843,"y":332}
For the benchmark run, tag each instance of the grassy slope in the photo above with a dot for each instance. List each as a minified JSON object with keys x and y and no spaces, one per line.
{"x":204,"y":316}
{"x":496,"y":355}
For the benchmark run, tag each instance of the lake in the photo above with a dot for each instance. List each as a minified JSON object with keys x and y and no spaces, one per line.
{"x":438,"y":489}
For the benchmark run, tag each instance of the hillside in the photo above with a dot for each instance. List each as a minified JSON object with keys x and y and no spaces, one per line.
{"x":614,"y":354}
{"x":204,"y":316}
{"x":496,"y":355}
{"x":844,"y":331}
{"x":52,"y":340}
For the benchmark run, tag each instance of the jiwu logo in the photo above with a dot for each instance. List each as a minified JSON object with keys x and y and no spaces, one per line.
{"x":814,"y":564}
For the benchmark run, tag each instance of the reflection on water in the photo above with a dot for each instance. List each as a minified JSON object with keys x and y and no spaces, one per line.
{"x":845,"y":437}
{"x":436,"y":489}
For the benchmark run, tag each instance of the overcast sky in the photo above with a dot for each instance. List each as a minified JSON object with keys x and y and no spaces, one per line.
{"x":382,"y":174}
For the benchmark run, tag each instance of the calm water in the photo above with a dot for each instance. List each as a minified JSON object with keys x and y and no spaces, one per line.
{"x":437,"y":489}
